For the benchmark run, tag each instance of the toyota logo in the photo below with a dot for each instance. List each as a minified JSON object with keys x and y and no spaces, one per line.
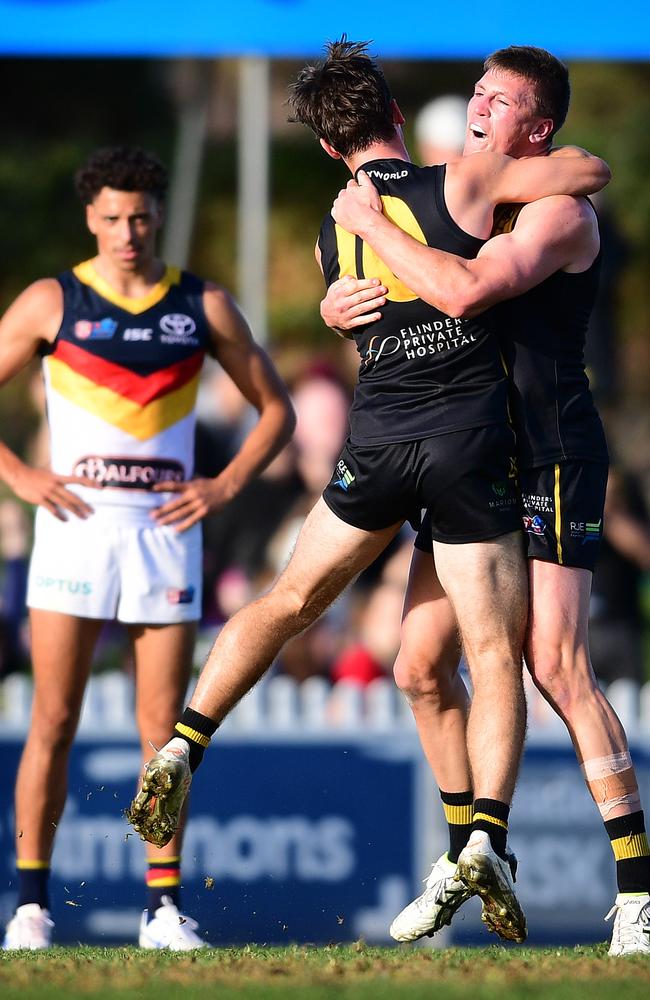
{"x":178,"y":324}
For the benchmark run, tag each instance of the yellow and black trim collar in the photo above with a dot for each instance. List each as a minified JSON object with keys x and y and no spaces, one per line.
{"x":87,"y":274}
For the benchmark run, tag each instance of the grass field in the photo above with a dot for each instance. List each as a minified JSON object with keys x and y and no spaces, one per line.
{"x":358,"y":972}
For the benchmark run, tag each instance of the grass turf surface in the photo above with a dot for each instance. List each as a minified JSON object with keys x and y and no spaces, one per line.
{"x":358,"y":972}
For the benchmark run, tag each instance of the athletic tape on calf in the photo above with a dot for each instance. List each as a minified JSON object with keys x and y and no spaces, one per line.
{"x":612,"y":782}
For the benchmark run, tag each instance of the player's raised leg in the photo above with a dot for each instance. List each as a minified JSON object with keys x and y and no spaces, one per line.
{"x":557,"y":656}
{"x":62,"y":648}
{"x":329,"y":553}
{"x":487,"y":586}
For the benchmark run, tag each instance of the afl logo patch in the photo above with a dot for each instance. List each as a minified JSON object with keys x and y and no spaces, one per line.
{"x":178,"y":324}
{"x":103,"y":329}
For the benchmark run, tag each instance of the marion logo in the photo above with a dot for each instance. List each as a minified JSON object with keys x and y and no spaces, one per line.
{"x":103,"y":329}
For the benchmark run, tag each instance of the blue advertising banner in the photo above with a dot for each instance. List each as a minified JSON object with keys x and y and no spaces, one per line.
{"x":300,"y":27}
{"x":287,"y":842}
{"x":314,"y":840}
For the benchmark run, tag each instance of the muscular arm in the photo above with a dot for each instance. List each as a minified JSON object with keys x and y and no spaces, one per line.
{"x":496,"y":178}
{"x":33,"y":318}
{"x":253,"y":373}
{"x":550,"y":235}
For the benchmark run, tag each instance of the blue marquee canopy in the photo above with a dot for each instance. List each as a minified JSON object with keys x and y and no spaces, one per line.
{"x":411,"y":29}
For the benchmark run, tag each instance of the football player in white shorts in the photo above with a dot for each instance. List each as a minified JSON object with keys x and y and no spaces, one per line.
{"x":122,"y":339}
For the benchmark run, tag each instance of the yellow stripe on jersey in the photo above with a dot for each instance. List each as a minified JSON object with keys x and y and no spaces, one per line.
{"x":400,"y":215}
{"x":31,"y":865}
{"x":141,"y":422}
{"x":633,"y":846}
{"x":558,"y":515}
{"x":345,"y":244}
{"x":86,"y":273}
{"x":373,"y":266}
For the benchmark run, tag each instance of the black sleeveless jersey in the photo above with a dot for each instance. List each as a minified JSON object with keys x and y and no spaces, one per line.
{"x":542,"y":335}
{"x":422,"y":373}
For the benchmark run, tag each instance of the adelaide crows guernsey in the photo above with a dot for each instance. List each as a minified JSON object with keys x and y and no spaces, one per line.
{"x":121,"y":380}
{"x":542,"y":335}
{"x":422,"y":373}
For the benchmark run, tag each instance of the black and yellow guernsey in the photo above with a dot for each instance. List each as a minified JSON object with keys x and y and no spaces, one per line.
{"x":542,"y":335}
{"x":422,"y":373}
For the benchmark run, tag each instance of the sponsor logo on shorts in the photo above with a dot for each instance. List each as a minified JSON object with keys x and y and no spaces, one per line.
{"x":129,"y":473}
{"x":534,"y":525}
{"x":178,"y":329}
{"x":103,"y":329}
{"x":504,"y":492}
{"x":61,"y":585}
{"x":587,"y":531}
{"x":535,"y":501}
{"x":345,"y":479}
{"x":177,"y":596}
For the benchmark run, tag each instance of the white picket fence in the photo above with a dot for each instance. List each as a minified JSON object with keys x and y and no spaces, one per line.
{"x":279,"y":705}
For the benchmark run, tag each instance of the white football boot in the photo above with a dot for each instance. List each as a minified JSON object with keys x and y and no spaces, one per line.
{"x":169,"y":929}
{"x":30,"y":928}
{"x":443,"y":895}
{"x":483,"y":872}
{"x":631,"y":933}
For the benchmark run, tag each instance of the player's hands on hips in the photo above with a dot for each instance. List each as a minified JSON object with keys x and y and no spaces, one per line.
{"x":357,"y":204}
{"x":45,"y":488}
{"x":352,"y":302}
{"x":193,"y":501}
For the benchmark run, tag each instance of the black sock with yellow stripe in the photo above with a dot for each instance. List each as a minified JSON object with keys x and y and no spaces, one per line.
{"x":459,"y":808}
{"x":491,"y":816}
{"x":196,"y":730}
{"x":33,"y":883}
{"x":630,"y":846}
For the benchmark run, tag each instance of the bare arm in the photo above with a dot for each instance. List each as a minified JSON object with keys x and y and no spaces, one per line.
{"x":253,"y":373}
{"x":549,"y":236}
{"x":33,"y":318}
{"x":497,"y":178}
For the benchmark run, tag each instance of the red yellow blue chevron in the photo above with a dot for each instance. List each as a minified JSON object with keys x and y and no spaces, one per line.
{"x":140,"y":405}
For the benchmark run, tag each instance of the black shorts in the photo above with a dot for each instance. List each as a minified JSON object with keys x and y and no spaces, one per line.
{"x":466,"y":481}
{"x":563,"y":512}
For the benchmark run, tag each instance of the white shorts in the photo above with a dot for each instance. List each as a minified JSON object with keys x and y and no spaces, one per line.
{"x":116,"y":564}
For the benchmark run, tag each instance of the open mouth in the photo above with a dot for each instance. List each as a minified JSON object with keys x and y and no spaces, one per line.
{"x":477,"y":131}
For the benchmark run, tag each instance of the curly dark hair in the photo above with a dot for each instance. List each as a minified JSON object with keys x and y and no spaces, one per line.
{"x":123,"y":168}
{"x":344,"y":98}
{"x":549,"y":76}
